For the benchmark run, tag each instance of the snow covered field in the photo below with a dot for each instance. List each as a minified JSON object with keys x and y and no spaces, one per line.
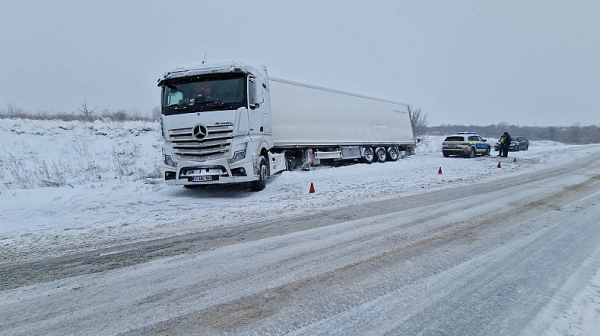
{"x":73,"y":186}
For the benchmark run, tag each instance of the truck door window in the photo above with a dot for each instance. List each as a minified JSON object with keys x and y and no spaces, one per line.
{"x":251,"y":93}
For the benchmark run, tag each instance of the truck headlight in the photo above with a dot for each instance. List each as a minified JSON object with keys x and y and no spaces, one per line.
{"x":238,"y":156}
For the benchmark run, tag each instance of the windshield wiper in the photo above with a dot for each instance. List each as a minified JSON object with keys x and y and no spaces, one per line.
{"x":179,"y":107}
{"x":211,"y":102}
{"x":175,"y":105}
{"x":175,"y":109}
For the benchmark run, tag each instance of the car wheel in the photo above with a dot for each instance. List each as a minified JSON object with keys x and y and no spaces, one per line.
{"x":472,"y":153}
{"x":488,"y":151}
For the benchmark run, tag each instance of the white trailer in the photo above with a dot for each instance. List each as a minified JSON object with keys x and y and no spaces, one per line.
{"x":228,"y":122}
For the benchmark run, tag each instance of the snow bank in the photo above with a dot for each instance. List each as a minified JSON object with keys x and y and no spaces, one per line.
{"x":35,"y":153}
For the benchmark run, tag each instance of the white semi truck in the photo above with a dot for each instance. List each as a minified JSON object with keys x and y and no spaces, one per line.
{"x":228,"y":122}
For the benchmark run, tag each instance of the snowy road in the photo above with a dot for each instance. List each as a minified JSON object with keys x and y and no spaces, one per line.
{"x":494,"y":258}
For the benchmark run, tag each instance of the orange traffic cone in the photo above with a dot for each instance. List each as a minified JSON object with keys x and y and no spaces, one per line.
{"x":515,"y":160}
{"x":312,"y":189}
{"x":440,"y":171}
{"x":499,"y":166}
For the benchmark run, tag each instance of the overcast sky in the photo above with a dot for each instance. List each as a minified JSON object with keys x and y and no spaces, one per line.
{"x":526,"y":62}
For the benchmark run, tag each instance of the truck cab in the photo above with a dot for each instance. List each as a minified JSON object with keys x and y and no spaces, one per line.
{"x":216,"y":122}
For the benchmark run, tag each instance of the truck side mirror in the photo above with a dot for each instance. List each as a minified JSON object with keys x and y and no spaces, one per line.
{"x":253,"y":98}
{"x":259,"y":93}
{"x":259,"y":99}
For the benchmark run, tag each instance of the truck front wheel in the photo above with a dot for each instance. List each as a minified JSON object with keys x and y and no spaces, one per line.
{"x":263,"y":174}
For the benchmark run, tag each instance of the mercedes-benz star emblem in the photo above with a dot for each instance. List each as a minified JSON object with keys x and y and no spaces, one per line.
{"x":199,"y":132}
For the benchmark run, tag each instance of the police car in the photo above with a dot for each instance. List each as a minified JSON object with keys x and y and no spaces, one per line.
{"x":467,"y":144}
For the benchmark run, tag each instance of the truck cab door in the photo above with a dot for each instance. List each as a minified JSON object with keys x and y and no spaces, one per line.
{"x":259,"y":116}
{"x":265,"y":108}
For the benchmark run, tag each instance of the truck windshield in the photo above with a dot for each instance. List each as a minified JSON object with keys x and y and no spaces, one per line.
{"x":204,"y":93}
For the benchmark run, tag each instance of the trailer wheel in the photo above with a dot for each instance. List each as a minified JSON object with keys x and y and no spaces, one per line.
{"x":368,"y":155}
{"x":393,"y":154}
{"x":263,"y":174}
{"x":380,"y":154}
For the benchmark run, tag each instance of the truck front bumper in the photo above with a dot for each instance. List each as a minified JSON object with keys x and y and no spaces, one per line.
{"x":209,"y":172}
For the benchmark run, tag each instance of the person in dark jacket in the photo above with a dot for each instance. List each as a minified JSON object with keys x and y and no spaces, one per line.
{"x":504,"y":144}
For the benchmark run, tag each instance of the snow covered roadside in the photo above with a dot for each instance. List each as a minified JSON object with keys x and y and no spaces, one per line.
{"x":72,"y":186}
{"x":582,"y":318}
{"x":105,"y":196}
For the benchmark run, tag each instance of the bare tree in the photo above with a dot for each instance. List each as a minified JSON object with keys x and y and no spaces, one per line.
{"x":418,"y":120}
{"x":87,"y":113}
{"x":13,"y":111}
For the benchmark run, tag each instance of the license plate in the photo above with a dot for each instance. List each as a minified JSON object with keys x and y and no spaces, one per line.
{"x":203,"y":178}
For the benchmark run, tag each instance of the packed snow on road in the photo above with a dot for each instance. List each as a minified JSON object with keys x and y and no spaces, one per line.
{"x":72,"y":186}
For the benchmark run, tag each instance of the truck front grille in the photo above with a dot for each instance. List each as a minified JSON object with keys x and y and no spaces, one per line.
{"x":216,"y":144}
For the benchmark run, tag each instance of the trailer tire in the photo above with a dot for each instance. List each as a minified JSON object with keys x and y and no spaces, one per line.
{"x":368,"y":155}
{"x":263,"y":174}
{"x":380,"y":154}
{"x":393,"y":154}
